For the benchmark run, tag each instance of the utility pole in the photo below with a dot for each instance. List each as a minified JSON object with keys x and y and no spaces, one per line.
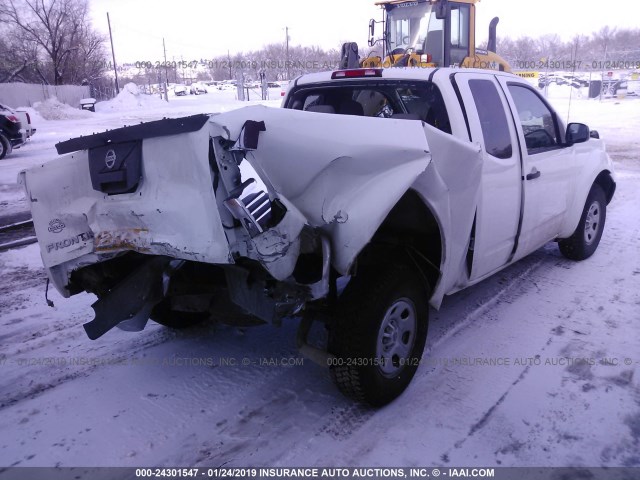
{"x":113,"y":54}
{"x":229,"y":63}
{"x":166,"y":77}
{"x":287,"y":47}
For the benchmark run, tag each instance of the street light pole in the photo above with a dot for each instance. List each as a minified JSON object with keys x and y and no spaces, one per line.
{"x":287,"y":47}
{"x":166,"y":75}
{"x":113,"y":54}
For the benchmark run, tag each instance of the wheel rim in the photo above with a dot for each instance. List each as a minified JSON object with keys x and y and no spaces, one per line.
{"x":396,"y":337}
{"x":592,"y":223}
{"x":1,"y":147}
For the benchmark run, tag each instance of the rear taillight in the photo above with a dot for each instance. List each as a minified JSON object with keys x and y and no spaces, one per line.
{"x":13,"y":118}
{"x":357,"y":73}
{"x":28,"y":117}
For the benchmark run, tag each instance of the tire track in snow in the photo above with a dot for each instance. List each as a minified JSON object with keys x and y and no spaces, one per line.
{"x":508,"y":293}
{"x":51,"y":378}
{"x":489,"y":412}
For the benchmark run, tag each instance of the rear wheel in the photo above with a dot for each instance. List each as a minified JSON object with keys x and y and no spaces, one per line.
{"x":379,"y":333}
{"x":4,"y":146}
{"x":584,"y":241}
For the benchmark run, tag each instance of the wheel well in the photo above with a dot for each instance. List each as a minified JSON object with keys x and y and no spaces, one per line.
{"x":606,"y":182}
{"x":410,"y":229}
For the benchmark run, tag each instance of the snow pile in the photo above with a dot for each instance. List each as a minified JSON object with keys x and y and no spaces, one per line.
{"x":52,"y":109}
{"x":129,"y":97}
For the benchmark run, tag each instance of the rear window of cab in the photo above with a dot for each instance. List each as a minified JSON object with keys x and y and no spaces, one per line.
{"x":389,"y":99}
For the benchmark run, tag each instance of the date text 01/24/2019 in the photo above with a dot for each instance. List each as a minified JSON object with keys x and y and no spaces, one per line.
{"x":576,"y":64}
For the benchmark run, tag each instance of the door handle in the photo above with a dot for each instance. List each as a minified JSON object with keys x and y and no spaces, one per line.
{"x":535,"y":173}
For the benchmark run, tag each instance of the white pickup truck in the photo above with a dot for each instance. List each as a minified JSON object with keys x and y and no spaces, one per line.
{"x":372,"y":194}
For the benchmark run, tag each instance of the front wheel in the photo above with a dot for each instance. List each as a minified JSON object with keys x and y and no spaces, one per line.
{"x":379,"y":333}
{"x":586,"y":237}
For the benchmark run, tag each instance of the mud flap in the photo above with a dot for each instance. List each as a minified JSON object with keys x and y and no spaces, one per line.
{"x":128,"y":305}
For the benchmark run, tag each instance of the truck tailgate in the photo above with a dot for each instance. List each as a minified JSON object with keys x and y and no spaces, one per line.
{"x":173,"y":212}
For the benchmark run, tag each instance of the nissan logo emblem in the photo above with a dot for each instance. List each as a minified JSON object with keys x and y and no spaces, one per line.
{"x":110,"y":159}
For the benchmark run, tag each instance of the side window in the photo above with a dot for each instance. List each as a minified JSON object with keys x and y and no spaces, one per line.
{"x":459,"y":33}
{"x":493,"y":119}
{"x":538,"y":122}
{"x":402,"y":34}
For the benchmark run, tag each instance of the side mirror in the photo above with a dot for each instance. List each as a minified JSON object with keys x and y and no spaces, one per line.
{"x":442,"y":9}
{"x":577,"y":133}
{"x":372,"y":30}
{"x":594,"y":134}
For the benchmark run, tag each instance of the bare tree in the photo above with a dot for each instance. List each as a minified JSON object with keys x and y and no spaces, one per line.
{"x":550,"y":46}
{"x":59,"y":36}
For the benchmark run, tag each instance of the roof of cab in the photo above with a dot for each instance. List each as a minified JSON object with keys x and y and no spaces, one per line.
{"x":396,"y":73}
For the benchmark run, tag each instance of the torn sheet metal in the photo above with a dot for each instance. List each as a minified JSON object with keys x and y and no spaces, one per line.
{"x":450,"y":187}
{"x":343,"y":173}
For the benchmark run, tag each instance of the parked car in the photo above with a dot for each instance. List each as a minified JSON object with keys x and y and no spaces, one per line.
{"x":371,"y":195}
{"x":227,"y":85}
{"x":574,"y":81}
{"x":25,"y":120}
{"x":180,"y":90}
{"x":12,"y":133}
{"x":88,"y":104}
{"x":615,"y":87}
{"x":197,"y":88}
{"x":284,"y":86}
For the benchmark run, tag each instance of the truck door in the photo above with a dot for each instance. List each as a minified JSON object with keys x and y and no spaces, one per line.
{"x":547,"y":166}
{"x":499,"y":205}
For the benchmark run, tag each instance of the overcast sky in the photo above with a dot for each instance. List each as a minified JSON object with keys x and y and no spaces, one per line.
{"x":195,"y":29}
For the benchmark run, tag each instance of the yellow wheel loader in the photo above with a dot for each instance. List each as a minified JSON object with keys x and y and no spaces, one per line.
{"x":428,"y":33}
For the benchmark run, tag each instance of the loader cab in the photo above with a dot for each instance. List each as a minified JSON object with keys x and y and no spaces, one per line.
{"x":421,"y":27}
{"x":430,"y":33}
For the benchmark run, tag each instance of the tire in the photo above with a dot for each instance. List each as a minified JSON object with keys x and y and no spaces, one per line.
{"x":4,"y":146}
{"x":584,"y":241}
{"x":375,"y":360}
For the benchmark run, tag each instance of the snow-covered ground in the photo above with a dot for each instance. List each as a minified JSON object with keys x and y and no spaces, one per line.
{"x":537,"y":366}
